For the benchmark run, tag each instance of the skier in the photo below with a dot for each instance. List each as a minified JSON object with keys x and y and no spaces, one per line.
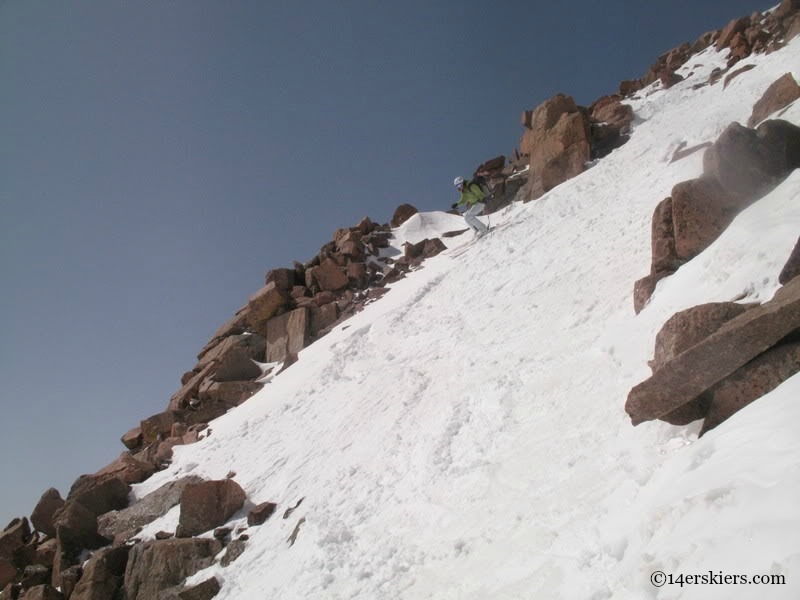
{"x":472,"y":197}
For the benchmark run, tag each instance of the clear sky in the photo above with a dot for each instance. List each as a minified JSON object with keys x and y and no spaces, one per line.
{"x":157,"y":158}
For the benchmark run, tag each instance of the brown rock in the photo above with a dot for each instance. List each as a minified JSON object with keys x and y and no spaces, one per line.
{"x":793,"y":29}
{"x":128,"y":469}
{"x":100,"y":492}
{"x":76,"y":528}
{"x":16,"y":534}
{"x":701,"y":211}
{"x":287,"y":334}
{"x":102,"y":574}
{"x":154,"y":567}
{"x":202,"y":591}
{"x":207,"y":505}
{"x":264,"y":305}
{"x":35,"y":575}
{"x":69,"y":579}
{"x":366,"y":226}
{"x":682,"y":151}
{"x":328,"y":276}
{"x":323,"y":317}
{"x":42,"y":515}
{"x":8,"y":572}
{"x":730,"y":30}
{"x":792,"y":267}
{"x":755,"y":379}
{"x":132,"y":439}
{"x":235,"y":549}
{"x":737,"y":342}
{"x":65,"y":571}
{"x":689,"y":327}
{"x":786,"y":8}
{"x":283,"y":278}
{"x":261,"y":513}
{"x":45,"y":552}
{"x":779,"y":95}
{"x":43,"y":592}
{"x":402,"y":214}
{"x":238,"y":364}
{"x":324,"y":298}
{"x":232,"y":393}
{"x":748,"y":164}
{"x":163,"y":455}
{"x":561,"y":148}
{"x":664,"y":256}
{"x":643,"y":289}
{"x":357,"y":275}
{"x":296,"y":531}
{"x":734,"y":74}
{"x":629,"y":87}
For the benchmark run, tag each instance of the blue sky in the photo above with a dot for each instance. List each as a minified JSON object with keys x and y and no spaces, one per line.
{"x":157,"y":158}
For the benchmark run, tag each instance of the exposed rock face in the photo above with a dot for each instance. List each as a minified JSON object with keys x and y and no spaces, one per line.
{"x":133,"y":438}
{"x":102,"y":574}
{"x":402,"y":214}
{"x":664,"y":255}
{"x":643,"y":289}
{"x":127,"y":469}
{"x":261,"y":513}
{"x":99,"y":493}
{"x":287,"y":334}
{"x":792,"y":267}
{"x":750,"y":163}
{"x":264,"y":305}
{"x":689,"y":327}
{"x":780,"y":94}
{"x":42,"y":515}
{"x":207,"y":505}
{"x":202,"y":591}
{"x":148,"y":509}
{"x":558,"y":144}
{"x":154,"y":567}
{"x":755,"y":379}
{"x":611,"y":123}
{"x":328,"y":276}
{"x":76,"y":528}
{"x":35,"y":575}
{"x":701,"y":211}
{"x":737,"y":342}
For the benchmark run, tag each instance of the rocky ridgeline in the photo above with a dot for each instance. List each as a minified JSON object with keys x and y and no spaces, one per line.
{"x":710,"y":360}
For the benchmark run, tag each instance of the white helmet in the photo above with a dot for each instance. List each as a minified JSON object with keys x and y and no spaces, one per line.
{"x":458,"y":181}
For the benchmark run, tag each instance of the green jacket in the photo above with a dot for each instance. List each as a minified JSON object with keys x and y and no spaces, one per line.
{"x":471,"y":194}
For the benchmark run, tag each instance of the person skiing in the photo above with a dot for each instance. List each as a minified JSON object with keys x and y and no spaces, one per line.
{"x":472,"y":197}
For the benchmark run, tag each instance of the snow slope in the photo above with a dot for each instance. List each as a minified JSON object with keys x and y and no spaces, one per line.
{"x":464,"y":437}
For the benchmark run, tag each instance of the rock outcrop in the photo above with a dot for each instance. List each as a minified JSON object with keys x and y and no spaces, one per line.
{"x":207,"y":505}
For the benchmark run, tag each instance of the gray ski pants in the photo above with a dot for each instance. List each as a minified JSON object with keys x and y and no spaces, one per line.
{"x":471,"y":217}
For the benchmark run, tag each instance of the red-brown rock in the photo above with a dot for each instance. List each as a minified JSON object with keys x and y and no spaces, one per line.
{"x":779,"y":95}
{"x":99,"y":493}
{"x":232,"y":393}
{"x":132,"y":439}
{"x":264,"y":305}
{"x":402,"y":214}
{"x":755,"y":379}
{"x":43,"y":592}
{"x":664,"y":256}
{"x":792,"y":267}
{"x":207,"y":505}
{"x":287,"y":334}
{"x":102,"y":574}
{"x":202,"y":591}
{"x":155,"y":567}
{"x":42,"y":516}
{"x":328,"y":276}
{"x":730,"y":31}
{"x":261,"y":513}
{"x":8,"y":572}
{"x":76,"y":528}
{"x":697,"y":369}
{"x":45,"y":552}
{"x":283,"y":278}
{"x":701,"y":211}
{"x":128,"y":469}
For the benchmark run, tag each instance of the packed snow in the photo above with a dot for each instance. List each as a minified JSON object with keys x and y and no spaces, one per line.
{"x":464,"y":437}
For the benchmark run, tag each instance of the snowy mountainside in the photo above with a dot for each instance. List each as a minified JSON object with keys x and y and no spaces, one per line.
{"x":464,"y":437}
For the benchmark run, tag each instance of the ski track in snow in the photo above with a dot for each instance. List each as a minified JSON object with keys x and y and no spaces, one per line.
{"x":465,"y":437}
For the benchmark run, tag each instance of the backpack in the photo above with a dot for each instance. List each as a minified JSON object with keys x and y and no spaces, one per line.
{"x":483,"y":184}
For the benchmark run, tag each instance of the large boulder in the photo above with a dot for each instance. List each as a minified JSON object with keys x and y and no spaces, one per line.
{"x":287,"y":334}
{"x":42,"y":516}
{"x":780,"y":94}
{"x":750,"y":163}
{"x":264,"y":305}
{"x":128,"y":469}
{"x":202,"y":591}
{"x":701,"y":211}
{"x":747,"y":384}
{"x":154,"y":567}
{"x":402,"y":214}
{"x":102,"y":574}
{"x":132,"y":439}
{"x":729,"y":32}
{"x":663,"y":253}
{"x":76,"y":529}
{"x":153,"y":506}
{"x":737,"y":342}
{"x":207,"y":505}
{"x":99,"y":493}
{"x":43,"y":592}
{"x":611,"y":124}
{"x":327,"y":276}
{"x":558,"y":144}
{"x":232,"y":393}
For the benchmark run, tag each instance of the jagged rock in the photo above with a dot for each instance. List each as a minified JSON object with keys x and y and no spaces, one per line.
{"x":64,"y":568}
{"x":786,"y":8}
{"x":43,"y":592}
{"x":357,"y":275}
{"x":780,"y":94}
{"x":42,"y":515}
{"x":328,"y":276}
{"x":694,"y":371}
{"x":611,"y":121}
{"x":283,"y":278}
{"x":11,"y":591}
{"x":261,"y":513}
{"x":156,"y":566}
{"x":35,"y":575}
{"x":558,"y":143}
{"x":296,"y":531}
{"x":202,"y":591}
{"x":669,"y":79}
{"x":207,"y":505}
{"x":127,"y":469}
{"x":264,"y":305}
{"x":793,"y":30}
{"x":366,"y":226}
{"x":323,"y":317}
{"x":12,"y":538}
{"x":755,"y":379}
{"x":792,"y":267}
{"x":76,"y":528}
{"x":69,"y":579}
{"x":629,"y":87}
{"x":750,"y":163}
{"x":159,"y":426}
{"x":234,"y":551}
{"x":740,"y":48}
{"x":163,"y":454}
{"x":8,"y":572}
{"x":183,"y":397}
{"x":402,"y":214}
{"x":730,"y":30}
{"x":235,"y":326}
{"x":734,"y":74}
{"x":701,"y":211}
{"x":237,"y":363}
{"x":132,"y":439}
{"x":232,"y":393}
{"x":25,"y":555}
{"x":99,"y":493}
{"x":643,"y":289}
{"x":664,"y":256}
{"x":689,"y":327}
{"x":287,"y":334}
{"x":102,"y":574}
{"x":46,"y":551}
